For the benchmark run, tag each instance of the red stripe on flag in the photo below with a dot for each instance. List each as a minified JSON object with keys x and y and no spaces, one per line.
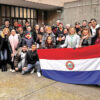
{"x":69,"y":53}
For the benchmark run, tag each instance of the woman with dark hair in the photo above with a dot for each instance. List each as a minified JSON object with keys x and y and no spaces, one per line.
{"x":36,"y":32}
{"x":39,"y":37}
{"x":49,"y":33}
{"x":5,"y":49}
{"x":98,"y":36}
{"x":78,"y":28}
{"x":19,"y":60}
{"x":60,"y":29}
{"x":94,"y":26}
{"x":49,"y":43}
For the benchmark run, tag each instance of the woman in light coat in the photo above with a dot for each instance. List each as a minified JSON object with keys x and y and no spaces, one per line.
{"x":72,"y":39}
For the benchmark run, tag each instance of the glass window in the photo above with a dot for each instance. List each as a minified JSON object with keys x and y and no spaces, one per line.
{"x":12,"y":11}
{"x":28,"y":20}
{"x":3,"y":19}
{"x":16,"y":12}
{"x":31,"y":22}
{"x":3,"y":10}
{"x":35,"y":15}
{"x":19,"y":21}
{"x":8,"y":11}
{"x":28,"y":13}
{"x":24,"y":12}
{"x":24,"y":22}
{"x":21,"y":13}
{"x":34,"y":22}
{"x":31,"y":13}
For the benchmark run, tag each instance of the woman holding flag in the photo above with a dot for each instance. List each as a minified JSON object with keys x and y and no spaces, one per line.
{"x":86,"y":38}
{"x":72,"y":39}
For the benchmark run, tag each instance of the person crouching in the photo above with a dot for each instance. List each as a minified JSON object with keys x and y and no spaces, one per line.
{"x":19,"y":60}
{"x":32,"y":61}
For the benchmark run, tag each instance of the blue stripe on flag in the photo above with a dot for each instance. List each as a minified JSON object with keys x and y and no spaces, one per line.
{"x":79,"y":77}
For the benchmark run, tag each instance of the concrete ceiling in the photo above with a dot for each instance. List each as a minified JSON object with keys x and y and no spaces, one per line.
{"x":38,"y":4}
{"x":29,"y":4}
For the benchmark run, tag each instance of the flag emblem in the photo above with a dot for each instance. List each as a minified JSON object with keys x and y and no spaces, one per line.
{"x":70,"y":65}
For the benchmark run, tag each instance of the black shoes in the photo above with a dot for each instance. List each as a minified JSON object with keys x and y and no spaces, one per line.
{"x":3,"y":68}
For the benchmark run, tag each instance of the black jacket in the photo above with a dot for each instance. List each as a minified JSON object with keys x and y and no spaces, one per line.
{"x":59,"y":43}
{"x":31,"y":57}
{"x":87,"y":42}
{"x":5,"y":44}
{"x":35,"y":35}
{"x":18,"y":58}
{"x":59,"y":32}
{"x":20,"y":38}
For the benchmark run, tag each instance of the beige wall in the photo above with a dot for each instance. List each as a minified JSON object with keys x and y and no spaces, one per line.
{"x":81,"y":10}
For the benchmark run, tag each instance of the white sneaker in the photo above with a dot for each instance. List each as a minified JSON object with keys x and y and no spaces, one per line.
{"x":13,"y":71}
{"x":32,"y":71}
{"x":10,"y":70}
{"x":38,"y":74}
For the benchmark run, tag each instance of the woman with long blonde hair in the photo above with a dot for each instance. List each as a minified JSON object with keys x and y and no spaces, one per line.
{"x":86,"y":38}
{"x":72,"y":39}
{"x":5,"y":48}
{"x":5,"y":32}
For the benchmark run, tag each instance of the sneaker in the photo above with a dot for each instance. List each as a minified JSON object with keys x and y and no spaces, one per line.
{"x":38,"y":74}
{"x":23,"y":73}
{"x":10,"y":70}
{"x":13,"y":71}
{"x":32,"y":71}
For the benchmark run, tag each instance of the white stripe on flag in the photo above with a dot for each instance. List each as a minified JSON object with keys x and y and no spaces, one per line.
{"x":79,"y":65}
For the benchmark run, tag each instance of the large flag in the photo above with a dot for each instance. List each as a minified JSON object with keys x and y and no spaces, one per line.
{"x":75,"y":66}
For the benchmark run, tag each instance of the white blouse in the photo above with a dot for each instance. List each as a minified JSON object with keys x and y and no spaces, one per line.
{"x":71,"y":41}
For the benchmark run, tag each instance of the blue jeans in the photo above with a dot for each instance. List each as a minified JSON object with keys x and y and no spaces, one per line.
{"x":3,"y":55}
{"x":21,"y":64}
{"x":31,"y":66}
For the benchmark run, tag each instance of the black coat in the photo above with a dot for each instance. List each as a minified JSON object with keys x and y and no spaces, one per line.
{"x":31,"y":57}
{"x":20,"y":38}
{"x":87,"y":42}
{"x":35,"y":35}
{"x":59,"y":32}
{"x":59,"y":43}
{"x":5,"y":44}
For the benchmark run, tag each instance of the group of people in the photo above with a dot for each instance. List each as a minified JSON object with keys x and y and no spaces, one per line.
{"x":19,"y":44}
